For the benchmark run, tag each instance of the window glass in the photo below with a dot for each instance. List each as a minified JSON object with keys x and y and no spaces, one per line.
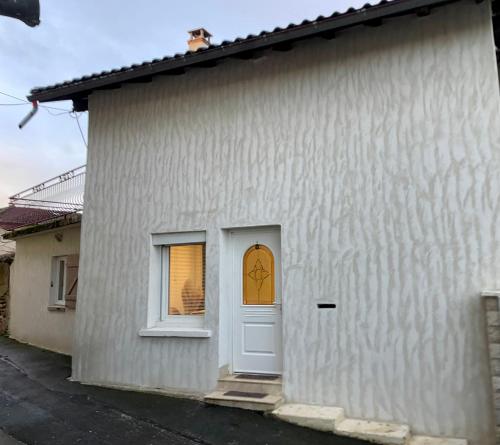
{"x":258,"y":276}
{"x":60,"y":284}
{"x":186,"y":282}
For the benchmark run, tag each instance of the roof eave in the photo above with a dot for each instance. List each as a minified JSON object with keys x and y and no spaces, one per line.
{"x":53,"y":224}
{"x":80,"y":89}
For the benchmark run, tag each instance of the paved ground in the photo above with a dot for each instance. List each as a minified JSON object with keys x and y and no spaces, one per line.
{"x":38,"y":405}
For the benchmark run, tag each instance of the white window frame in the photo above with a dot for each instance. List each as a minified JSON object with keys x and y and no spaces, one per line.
{"x":54,"y":281}
{"x":159,"y":279}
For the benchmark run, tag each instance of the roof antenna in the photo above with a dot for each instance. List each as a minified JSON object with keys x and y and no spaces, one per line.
{"x":29,"y":115}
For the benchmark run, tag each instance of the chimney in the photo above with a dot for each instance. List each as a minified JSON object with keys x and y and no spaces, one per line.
{"x":198,"y":38}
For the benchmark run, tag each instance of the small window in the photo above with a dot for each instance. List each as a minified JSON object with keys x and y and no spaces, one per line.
{"x":184,"y":275}
{"x":58,"y":281}
{"x":177,"y":280}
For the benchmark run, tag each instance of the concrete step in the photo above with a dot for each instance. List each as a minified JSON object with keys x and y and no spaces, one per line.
{"x":233,"y":383}
{"x":377,"y":432}
{"x":330,"y":418}
{"x":268,"y":402}
{"x":322,"y":418}
{"x":424,"y":440}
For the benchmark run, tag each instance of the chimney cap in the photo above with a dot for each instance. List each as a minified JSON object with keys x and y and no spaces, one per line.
{"x":199,"y":38}
{"x":199,"y":32}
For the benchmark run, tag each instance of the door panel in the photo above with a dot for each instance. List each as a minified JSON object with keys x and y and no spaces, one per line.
{"x":257,"y":336}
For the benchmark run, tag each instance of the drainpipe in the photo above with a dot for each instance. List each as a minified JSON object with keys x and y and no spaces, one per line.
{"x":29,"y":115}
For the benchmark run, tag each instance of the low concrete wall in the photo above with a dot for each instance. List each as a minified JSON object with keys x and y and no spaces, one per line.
{"x":30,"y":319}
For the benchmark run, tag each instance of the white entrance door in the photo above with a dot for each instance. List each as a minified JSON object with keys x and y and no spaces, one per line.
{"x":257,"y":301}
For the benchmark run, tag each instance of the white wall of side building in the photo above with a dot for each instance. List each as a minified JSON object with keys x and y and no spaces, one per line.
{"x":30,"y":320}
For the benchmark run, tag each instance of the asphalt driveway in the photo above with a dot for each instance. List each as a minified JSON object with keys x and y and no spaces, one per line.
{"x":38,"y":405}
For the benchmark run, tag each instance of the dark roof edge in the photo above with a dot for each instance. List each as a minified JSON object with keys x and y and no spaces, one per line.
{"x":82,"y":87}
{"x":63,"y":221}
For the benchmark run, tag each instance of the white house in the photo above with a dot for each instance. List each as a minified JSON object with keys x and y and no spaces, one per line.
{"x":320,"y":202}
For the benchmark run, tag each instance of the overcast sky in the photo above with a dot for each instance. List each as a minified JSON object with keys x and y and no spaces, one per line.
{"x":78,"y":37}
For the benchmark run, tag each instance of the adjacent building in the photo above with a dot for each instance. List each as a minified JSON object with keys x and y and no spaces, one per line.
{"x":44,"y":222}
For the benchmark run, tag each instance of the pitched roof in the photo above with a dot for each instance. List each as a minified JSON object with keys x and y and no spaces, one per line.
{"x":79,"y":89}
{"x":51,"y":223}
{"x":14,"y":217}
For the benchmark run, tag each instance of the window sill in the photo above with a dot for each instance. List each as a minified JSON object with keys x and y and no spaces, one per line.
{"x":56,"y":308}
{"x":176,"y":332}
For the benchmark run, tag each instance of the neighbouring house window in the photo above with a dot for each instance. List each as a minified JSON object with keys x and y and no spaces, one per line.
{"x":61,"y":283}
{"x":179,"y":265}
{"x":64,"y":281}
{"x":58,"y":282}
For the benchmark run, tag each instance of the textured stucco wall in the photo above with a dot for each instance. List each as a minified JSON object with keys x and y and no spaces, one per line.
{"x":377,"y":153}
{"x":30,"y":320}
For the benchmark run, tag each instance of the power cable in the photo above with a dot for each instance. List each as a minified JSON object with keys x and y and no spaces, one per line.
{"x":13,"y":97}
{"x":26,"y":102}
{"x":73,"y":114}
{"x":80,"y":128}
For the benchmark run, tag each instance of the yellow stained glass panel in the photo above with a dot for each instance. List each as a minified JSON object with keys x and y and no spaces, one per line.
{"x":258,"y":276}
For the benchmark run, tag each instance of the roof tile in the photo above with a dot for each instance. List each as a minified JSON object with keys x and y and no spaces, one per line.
{"x":263,"y":34}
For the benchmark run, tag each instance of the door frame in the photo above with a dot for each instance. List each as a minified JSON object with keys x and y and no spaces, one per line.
{"x":227,"y":300}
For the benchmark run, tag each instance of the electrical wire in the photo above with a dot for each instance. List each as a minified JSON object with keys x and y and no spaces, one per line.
{"x":47,"y":108}
{"x":41,"y":106}
{"x":54,"y":108}
{"x":57,"y":114}
{"x":13,"y":97}
{"x":80,"y":128}
{"x":26,"y":102}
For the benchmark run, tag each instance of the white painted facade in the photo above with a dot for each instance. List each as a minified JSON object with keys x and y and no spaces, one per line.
{"x":378,"y":155}
{"x":31,"y":321}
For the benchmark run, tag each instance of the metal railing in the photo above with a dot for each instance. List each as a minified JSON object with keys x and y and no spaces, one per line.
{"x":52,"y":199}
{"x":63,"y":192}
